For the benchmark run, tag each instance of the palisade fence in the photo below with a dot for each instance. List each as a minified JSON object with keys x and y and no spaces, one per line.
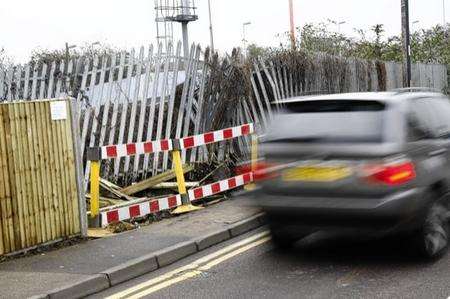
{"x":151,"y":94}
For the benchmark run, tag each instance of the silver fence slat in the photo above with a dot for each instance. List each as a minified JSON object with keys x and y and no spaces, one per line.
{"x":123,"y":119}
{"x":26,"y":84}
{"x":34,"y":82}
{"x":97,"y":109}
{"x":258,"y":101}
{"x":42,"y":81}
{"x":162,"y":103}
{"x":135,"y":100}
{"x":151,"y":118}
{"x":171,"y":103}
{"x":51,"y":77}
{"x":199,"y":114}
{"x":116,"y":111}
{"x":143,"y":108}
{"x":190,"y":99}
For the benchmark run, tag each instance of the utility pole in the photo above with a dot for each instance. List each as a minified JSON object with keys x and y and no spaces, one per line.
{"x":291,"y":16}
{"x":443,"y":13}
{"x":406,"y":44}
{"x":244,"y":37}
{"x":211,"y":26}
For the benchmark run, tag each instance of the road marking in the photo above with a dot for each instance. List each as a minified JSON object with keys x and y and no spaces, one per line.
{"x":193,"y":269}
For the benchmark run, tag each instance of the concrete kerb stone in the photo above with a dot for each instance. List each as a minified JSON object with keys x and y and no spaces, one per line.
{"x":131,"y":269}
{"x":153,"y":261}
{"x":175,"y":253}
{"x":247,"y":225}
{"x":86,"y":287}
{"x":213,"y":239}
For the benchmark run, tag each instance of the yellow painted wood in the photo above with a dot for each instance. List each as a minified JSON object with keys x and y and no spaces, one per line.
{"x":95,"y":188}
{"x":178,"y":167}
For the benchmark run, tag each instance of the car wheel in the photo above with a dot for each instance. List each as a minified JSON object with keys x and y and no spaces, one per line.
{"x":433,"y":237}
{"x":284,"y":237}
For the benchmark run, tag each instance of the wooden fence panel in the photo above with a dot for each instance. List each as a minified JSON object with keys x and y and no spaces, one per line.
{"x":39,"y":199}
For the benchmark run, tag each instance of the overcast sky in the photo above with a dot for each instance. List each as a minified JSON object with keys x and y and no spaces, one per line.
{"x":27,"y":24}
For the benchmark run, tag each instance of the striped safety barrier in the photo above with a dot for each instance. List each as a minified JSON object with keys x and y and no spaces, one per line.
{"x":219,"y":187}
{"x":132,"y":149}
{"x":158,"y":205}
{"x":140,"y":210}
{"x":216,"y":136}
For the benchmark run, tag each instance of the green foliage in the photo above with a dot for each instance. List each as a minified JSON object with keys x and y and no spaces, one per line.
{"x":88,"y":50}
{"x":427,"y":45}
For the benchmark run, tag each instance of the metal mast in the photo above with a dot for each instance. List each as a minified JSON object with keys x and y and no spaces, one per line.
{"x":169,"y":12}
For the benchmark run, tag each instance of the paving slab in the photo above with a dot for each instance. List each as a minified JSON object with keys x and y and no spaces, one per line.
{"x":41,"y":274}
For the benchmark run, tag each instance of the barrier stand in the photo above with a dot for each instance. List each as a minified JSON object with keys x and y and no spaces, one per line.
{"x":254,"y":162}
{"x":186,"y":206}
{"x":94,"y":155}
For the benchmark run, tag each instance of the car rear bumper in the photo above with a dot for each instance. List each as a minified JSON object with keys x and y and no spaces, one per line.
{"x":400,"y":211}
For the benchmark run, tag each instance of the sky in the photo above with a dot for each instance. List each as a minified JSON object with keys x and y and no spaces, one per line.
{"x":29,"y":24}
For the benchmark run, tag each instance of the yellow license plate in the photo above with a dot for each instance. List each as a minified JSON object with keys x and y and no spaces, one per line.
{"x":316,"y":174}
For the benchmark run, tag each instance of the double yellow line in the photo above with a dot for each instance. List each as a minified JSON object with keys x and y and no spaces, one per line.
{"x":193,"y":269}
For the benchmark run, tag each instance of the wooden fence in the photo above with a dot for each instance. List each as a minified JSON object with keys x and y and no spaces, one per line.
{"x":39,"y":198}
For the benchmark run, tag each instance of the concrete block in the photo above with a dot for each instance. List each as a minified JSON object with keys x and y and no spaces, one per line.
{"x":244,"y":226}
{"x":131,"y":269}
{"x":81,"y":289}
{"x":212,"y":239}
{"x":174,"y":253}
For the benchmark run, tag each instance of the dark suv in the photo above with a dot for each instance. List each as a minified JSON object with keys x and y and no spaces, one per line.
{"x":367,"y":162}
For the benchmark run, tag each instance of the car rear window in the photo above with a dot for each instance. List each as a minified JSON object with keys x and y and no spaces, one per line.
{"x":336,"y":121}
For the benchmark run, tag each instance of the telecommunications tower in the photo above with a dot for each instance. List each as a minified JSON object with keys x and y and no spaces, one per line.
{"x":169,"y":12}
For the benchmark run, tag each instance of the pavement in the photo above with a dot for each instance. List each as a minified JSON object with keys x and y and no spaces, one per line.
{"x":96,"y":265}
{"x":322,"y":266}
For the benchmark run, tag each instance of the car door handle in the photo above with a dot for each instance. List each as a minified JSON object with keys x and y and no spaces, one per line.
{"x":438,"y":152}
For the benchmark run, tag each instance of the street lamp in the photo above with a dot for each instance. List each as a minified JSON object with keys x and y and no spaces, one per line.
{"x":211,"y":26}
{"x":244,"y":38}
{"x":339,"y":26}
{"x":443,"y":13}
{"x":414,"y":23}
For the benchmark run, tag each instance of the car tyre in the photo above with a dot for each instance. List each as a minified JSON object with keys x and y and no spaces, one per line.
{"x":434,"y":237}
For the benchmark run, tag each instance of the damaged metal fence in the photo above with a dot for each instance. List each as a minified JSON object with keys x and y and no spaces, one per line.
{"x":136,"y":96}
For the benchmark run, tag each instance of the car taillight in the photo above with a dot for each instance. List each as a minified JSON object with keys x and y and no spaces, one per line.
{"x":392,"y":174}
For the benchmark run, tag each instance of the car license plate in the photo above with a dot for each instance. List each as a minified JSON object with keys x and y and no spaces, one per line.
{"x":316,"y":174}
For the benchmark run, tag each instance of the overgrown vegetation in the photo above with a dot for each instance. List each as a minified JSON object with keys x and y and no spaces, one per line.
{"x":427,"y":45}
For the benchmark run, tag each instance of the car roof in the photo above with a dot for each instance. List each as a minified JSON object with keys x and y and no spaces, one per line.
{"x":387,"y":96}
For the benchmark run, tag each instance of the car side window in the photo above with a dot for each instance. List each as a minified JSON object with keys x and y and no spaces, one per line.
{"x":441,"y":109}
{"x":421,"y":124}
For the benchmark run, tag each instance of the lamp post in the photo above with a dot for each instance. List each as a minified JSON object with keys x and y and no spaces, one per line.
{"x":339,"y":26}
{"x":211,"y":34}
{"x":244,"y":37}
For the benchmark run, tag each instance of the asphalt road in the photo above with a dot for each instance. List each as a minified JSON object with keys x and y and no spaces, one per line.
{"x":324,"y":266}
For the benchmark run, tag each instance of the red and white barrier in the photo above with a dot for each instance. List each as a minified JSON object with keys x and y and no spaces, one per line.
{"x":132,"y":149}
{"x":140,"y":210}
{"x":219,"y":187}
{"x":216,"y":136}
{"x":158,"y":205}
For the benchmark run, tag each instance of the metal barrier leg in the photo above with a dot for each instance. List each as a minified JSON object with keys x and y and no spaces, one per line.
{"x":186,"y":206}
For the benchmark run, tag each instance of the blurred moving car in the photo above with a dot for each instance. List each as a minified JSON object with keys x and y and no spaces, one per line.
{"x":372,"y":162}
